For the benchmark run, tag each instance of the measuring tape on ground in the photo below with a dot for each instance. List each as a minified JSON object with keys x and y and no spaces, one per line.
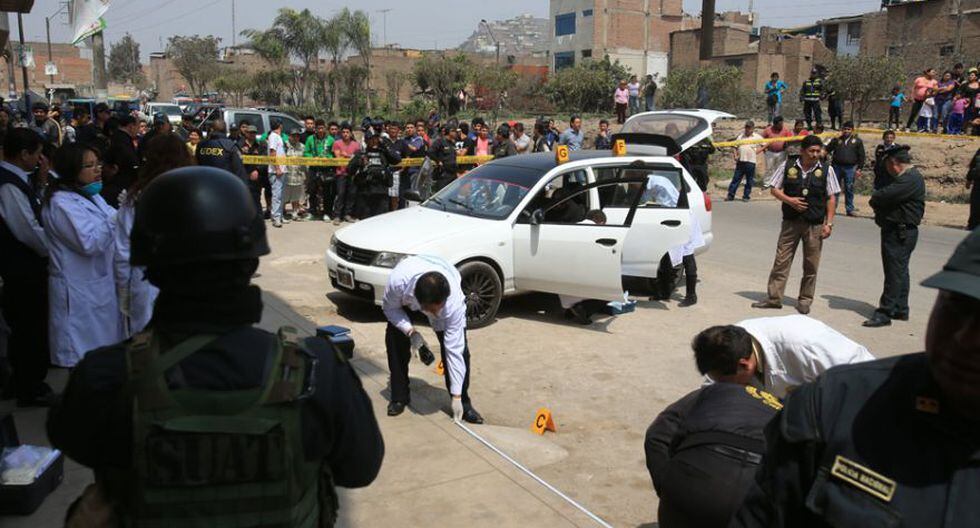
{"x":342,"y":162}
{"x":531,"y":474}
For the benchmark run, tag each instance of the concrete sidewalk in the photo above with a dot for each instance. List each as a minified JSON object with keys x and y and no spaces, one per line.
{"x":434,"y":473}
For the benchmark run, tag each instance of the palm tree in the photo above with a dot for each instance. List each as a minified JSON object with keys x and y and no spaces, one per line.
{"x":294,"y":34}
{"x":334,"y":41}
{"x":357,"y":27}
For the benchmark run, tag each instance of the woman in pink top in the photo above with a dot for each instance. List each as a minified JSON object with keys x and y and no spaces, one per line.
{"x":622,"y":100}
{"x":925,"y":86}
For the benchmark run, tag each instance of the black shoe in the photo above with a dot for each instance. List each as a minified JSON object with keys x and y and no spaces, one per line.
{"x":900,"y":317}
{"x":471,"y":416}
{"x":803,"y":308}
{"x":746,"y":199}
{"x":578,"y":314}
{"x":767,"y":304}
{"x":729,"y":198}
{"x":877,"y":321}
{"x":690,"y":300}
{"x":395,"y":408}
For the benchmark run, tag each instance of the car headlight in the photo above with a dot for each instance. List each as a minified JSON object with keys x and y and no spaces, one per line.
{"x":388,"y":259}
{"x":333,"y":243}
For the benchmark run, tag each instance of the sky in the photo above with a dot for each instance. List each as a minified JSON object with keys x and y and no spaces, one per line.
{"x":151,"y":22}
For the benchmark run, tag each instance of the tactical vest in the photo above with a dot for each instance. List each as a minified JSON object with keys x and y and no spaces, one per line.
{"x":812,"y":89}
{"x":18,"y":258}
{"x":727,"y":414}
{"x":221,"y":458}
{"x":375,"y":178}
{"x":812,"y":189}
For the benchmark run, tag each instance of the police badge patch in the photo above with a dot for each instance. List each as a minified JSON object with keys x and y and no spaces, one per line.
{"x":818,"y":173}
{"x":792,"y":173}
{"x":806,"y":192}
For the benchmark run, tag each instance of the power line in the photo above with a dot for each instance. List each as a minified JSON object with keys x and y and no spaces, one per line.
{"x":158,"y":23}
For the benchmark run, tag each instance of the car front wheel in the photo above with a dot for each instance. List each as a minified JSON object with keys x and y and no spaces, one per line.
{"x":482,"y":290}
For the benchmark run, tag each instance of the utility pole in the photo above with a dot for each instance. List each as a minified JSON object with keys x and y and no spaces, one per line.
{"x":958,"y":35}
{"x":98,"y":67}
{"x":384,"y":17}
{"x":707,"y":29}
{"x":47,"y":30}
{"x":23,"y":67}
{"x":234,"y":32}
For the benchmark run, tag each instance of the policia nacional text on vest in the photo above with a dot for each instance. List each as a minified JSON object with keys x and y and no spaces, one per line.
{"x":812,"y":189}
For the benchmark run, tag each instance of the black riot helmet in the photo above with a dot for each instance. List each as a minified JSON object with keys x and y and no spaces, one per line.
{"x":196,"y":214}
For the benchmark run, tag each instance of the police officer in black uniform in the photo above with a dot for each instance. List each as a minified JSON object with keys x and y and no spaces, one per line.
{"x":221,"y":152}
{"x":370,"y":171}
{"x":881,"y":174}
{"x":695,"y":160}
{"x":898,"y":207}
{"x":443,"y":153}
{"x":811,"y":93}
{"x":892,"y":442}
{"x":704,"y":449}
{"x":244,"y":422}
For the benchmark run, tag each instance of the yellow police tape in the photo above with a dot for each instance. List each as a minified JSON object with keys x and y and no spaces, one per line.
{"x":342,"y":162}
{"x":879,"y":131}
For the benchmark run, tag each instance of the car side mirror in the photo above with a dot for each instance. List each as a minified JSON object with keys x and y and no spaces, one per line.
{"x":537,"y":217}
{"x":413,"y":195}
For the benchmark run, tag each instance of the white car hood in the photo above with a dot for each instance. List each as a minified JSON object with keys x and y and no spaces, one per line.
{"x":407,"y":230}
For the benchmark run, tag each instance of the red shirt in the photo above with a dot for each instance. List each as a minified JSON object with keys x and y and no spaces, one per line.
{"x":345,"y":150}
{"x":776,"y":146}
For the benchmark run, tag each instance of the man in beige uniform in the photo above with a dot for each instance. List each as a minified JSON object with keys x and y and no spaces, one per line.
{"x":807,"y":188}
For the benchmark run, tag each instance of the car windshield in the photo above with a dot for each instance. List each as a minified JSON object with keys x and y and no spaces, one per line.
{"x":170,"y":110}
{"x":488,"y":191}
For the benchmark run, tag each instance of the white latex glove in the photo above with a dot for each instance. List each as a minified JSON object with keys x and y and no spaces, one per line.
{"x":457,"y":409}
{"x":417,"y":341}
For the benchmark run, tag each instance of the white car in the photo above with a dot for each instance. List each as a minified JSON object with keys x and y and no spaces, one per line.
{"x":519,"y":223}
{"x":170,"y":110}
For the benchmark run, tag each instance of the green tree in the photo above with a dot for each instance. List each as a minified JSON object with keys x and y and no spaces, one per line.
{"x":336,"y":45}
{"x":492,"y":84}
{"x":235,"y":83}
{"x":721,"y":86}
{"x":353,"y":100}
{"x":441,"y":77}
{"x":586,"y":87}
{"x":863,"y":79}
{"x":394,"y":80}
{"x":296,"y":35}
{"x":124,"y":61}
{"x":357,"y":30}
{"x":195,"y":58}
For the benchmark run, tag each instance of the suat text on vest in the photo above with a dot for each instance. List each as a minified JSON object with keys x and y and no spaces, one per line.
{"x":221,"y":458}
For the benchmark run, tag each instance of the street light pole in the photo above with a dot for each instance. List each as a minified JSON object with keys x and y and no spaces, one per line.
{"x":47,"y":30}
{"x":23,"y":67}
{"x":384,"y":18}
{"x":494,"y":39}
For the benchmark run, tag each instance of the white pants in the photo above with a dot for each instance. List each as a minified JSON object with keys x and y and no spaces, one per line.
{"x":277,"y":182}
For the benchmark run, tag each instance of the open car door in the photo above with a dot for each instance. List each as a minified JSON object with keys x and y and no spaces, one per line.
{"x":558,"y":250}
{"x":661,"y":219}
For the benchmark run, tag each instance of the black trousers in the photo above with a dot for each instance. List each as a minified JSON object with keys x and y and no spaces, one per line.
{"x":321,"y":189}
{"x":266,"y":184}
{"x":25,"y":308}
{"x":372,"y":204}
{"x":703,"y":488}
{"x":974,"y":220}
{"x":897,"y":244}
{"x":914,"y":113}
{"x":812,"y":111}
{"x":399,"y":349}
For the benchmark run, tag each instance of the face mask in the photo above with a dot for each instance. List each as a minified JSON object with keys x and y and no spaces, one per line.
{"x":92,"y":189}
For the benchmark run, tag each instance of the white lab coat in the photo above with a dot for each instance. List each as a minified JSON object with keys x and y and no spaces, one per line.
{"x":797,"y":349}
{"x":400,"y":294}
{"x":134,"y":290}
{"x":661,"y":190}
{"x":84,"y":311}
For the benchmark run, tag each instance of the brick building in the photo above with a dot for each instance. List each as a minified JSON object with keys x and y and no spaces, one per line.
{"x":634,"y":32}
{"x":74,"y":67}
{"x":773,"y":51}
{"x":925,"y":32}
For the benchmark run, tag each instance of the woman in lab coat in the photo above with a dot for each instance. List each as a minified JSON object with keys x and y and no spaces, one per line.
{"x":136,"y":294}
{"x":80,"y":225}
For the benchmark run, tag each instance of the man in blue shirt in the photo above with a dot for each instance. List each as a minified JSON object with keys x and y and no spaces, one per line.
{"x":573,"y":135}
{"x":774,"y":95}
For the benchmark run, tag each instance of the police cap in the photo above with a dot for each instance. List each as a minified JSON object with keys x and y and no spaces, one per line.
{"x":961,"y":274}
{"x":899,"y":152}
{"x":369,"y":133}
{"x":196,"y":214}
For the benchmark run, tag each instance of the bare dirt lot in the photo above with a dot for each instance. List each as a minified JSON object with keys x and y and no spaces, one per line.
{"x":605,"y":383}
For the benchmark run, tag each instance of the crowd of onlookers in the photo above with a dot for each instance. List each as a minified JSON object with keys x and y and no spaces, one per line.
{"x":629,"y":94}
